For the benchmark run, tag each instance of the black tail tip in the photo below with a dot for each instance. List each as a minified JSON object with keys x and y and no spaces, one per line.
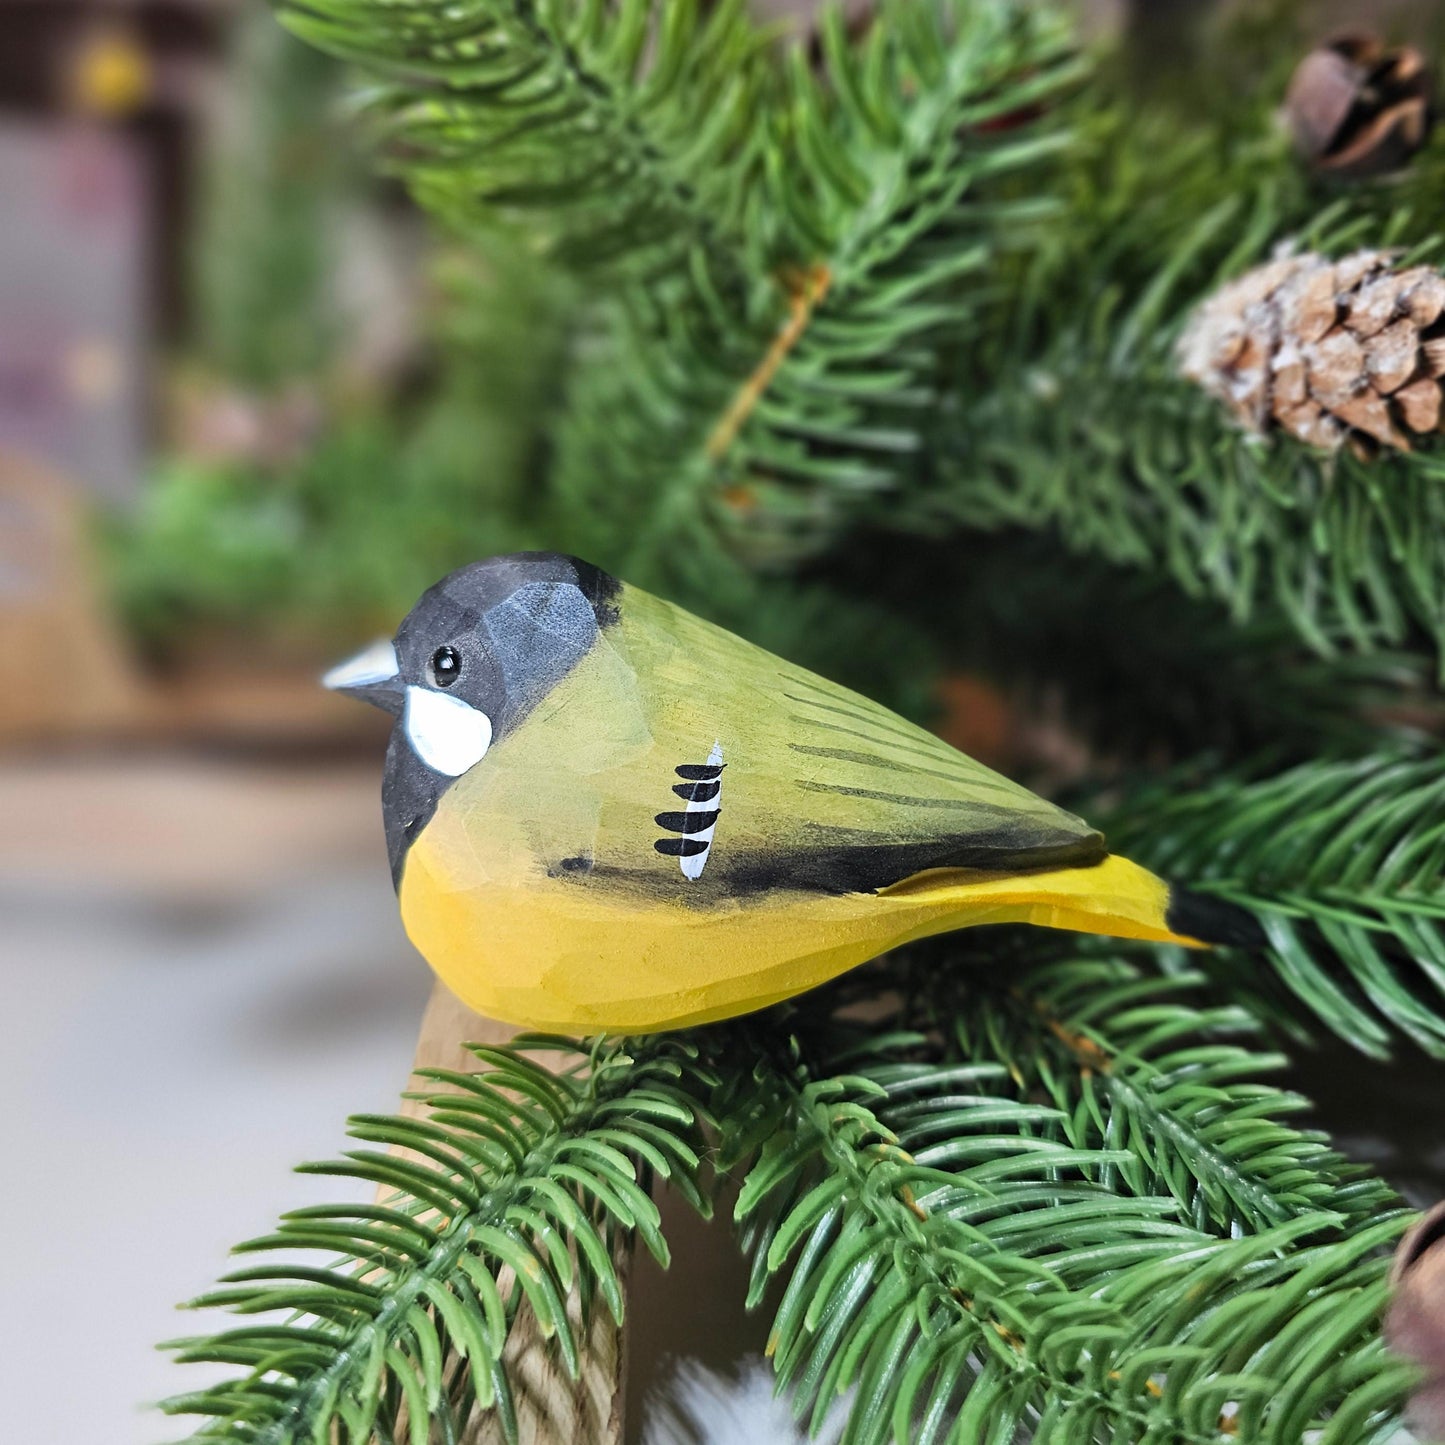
{"x":1212,"y":920}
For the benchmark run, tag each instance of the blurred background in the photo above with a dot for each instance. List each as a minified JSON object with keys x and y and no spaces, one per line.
{"x":249,"y":407}
{"x":201,"y":295}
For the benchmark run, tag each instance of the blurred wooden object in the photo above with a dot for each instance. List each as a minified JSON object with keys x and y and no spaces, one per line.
{"x":252,"y":702}
{"x":65,"y":671}
{"x":551,"y":1409}
{"x":63,"y":667}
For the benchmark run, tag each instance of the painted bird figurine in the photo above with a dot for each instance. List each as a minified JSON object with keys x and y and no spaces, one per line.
{"x":606,"y":815}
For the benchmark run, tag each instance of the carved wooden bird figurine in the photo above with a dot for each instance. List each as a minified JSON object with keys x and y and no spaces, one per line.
{"x":604,"y":814}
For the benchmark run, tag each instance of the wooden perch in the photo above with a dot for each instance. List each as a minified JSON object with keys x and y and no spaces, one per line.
{"x":551,"y":1408}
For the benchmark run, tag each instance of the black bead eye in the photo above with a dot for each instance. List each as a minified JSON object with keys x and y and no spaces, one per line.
{"x":446,"y":666}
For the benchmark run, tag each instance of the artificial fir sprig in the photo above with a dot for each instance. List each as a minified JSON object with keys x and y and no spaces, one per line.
{"x":1045,"y":1195}
{"x":1050,"y":1195}
{"x":884,"y":224}
{"x":1080,"y":424}
{"x":511,"y":1191}
{"x":1341,"y":861}
{"x":614,"y":139}
{"x":769,"y":249}
{"x":1050,"y":1201}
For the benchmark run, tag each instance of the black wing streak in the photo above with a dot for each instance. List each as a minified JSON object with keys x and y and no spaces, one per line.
{"x":695,"y":822}
{"x":903,"y":799}
{"x":873,"y":760}
{"x":910,"y":735}
{"x":697,"y":792}
{"x":701,"y":772}
{"x":702,"y":785}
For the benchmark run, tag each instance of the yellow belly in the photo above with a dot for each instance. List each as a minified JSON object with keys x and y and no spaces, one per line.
{"x":571,"y":956}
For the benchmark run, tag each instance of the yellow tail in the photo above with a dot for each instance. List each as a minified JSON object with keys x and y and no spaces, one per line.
{"x":1116,"y":897}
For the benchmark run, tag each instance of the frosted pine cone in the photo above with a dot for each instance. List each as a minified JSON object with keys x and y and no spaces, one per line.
{"x":1329,"y":350}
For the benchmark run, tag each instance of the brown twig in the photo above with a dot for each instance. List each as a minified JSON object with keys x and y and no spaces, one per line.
{"x":805,"y":291}
{"x":1087,"y":1054}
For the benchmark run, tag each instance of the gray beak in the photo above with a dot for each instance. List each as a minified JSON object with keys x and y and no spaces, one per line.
{"x":373,"y":676}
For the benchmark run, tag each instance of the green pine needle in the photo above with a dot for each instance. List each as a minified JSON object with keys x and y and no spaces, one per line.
{"x":760,"y":419}
{"x":613,"y":138}
{"x":511,"y":1191}
{"x":903,"y":281}
{"x":1342,"y":862}
{"x":1052,"y":1202}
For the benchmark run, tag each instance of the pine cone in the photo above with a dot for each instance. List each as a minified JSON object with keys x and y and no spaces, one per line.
{"x":1357,"y":108}
{"x":1415,"y":1323}
{"x":1332,"y":351}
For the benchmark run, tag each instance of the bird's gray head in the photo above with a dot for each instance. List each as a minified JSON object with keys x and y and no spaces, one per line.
{"x":475,"y":655}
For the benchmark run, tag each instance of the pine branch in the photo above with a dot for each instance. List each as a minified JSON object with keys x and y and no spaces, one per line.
{"x":1065,"y":412}
{"x":1351,"y":552}
{"x":615,"y":139}
{"x":1133,"y":1062}
{"x":983,"y":1244}
{"x":1062,"y":1211}
{"x":1342,"y":863}
{"x":687,"y":413}
{"x":1062,"y":635}
{"x":772,"y":249}
{"x":509,"y":1192}
{"x":1087,"y":430}
{"x":892,"y":1290}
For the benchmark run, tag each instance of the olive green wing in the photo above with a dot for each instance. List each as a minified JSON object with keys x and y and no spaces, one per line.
{"x":855,"y":798}
{"x":786,"y":780}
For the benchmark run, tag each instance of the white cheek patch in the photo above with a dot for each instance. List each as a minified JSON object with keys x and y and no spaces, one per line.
{"x":376,"y":664}
{"x":447,"y":734}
